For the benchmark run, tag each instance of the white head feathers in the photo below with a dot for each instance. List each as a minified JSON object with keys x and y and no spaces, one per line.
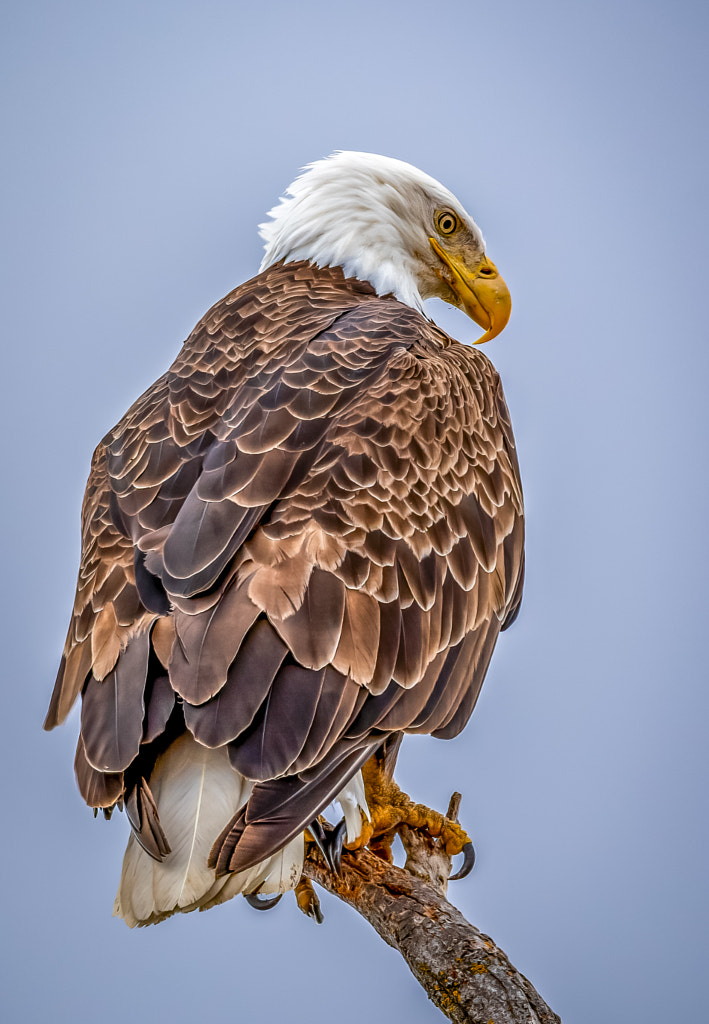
{"x":372,"y":216}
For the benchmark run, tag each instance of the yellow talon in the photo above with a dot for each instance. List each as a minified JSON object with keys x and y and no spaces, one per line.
{"x":390,"y":808}
{"x":307,"y":900}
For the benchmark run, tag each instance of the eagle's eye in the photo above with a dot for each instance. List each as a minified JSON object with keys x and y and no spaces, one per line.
{"x":447,"y":223}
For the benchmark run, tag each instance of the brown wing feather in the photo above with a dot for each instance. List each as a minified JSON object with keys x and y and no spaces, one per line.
{"x":142,"y":813}
{"x":160,"y":701}
{"x":340,"y":698}
{"x":232,"y":710}
{"x":207,"y":643}
{"x":282,"y":726}
{"x":324,"y":497}
{"x":280,"y":808}
{"x":105,"y":576}
{"x":99,"y":789}
{"x":113,"y":708}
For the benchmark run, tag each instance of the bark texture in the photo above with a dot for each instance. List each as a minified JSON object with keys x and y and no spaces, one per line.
{"x":463,"y":972}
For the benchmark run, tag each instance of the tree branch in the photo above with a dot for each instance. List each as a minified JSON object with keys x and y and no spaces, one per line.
{"x":462,"y":971}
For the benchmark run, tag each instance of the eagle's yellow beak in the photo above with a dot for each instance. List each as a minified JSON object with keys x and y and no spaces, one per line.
{"x":481,"y":291}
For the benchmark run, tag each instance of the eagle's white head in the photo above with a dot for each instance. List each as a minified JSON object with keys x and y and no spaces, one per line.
{"x":383,"y":221}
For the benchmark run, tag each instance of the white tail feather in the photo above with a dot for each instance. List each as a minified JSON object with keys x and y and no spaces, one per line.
{"x":197,"y":792}
{"x":352,"y":800}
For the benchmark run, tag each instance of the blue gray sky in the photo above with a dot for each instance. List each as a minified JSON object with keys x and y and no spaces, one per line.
{"x":143,"y":143}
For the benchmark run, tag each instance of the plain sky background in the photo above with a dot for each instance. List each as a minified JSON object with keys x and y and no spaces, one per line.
{"x":142,"y":145}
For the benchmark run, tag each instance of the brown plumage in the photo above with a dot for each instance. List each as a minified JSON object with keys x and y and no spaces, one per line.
{"x":303,"y":538}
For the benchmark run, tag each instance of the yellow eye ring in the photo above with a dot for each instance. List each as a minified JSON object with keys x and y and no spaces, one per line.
{"x":447,"y":222}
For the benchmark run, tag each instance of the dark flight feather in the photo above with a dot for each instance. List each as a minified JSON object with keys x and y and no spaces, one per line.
{"x":99,"y":789}
{"x":159,"y":705}
{"x":112,"y":710}
{"x":249,"y":680}
{"x":142,"y":813}
{"x":279,"y":809}
{"x":282,"y":726}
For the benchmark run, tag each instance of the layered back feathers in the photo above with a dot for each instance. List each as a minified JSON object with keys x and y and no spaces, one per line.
{"x":303,"y":539}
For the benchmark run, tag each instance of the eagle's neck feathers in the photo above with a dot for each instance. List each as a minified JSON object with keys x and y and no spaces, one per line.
{"x":371,"y":216}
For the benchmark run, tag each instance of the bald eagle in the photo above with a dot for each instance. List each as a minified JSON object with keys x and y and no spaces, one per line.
{"x":298,"y":545}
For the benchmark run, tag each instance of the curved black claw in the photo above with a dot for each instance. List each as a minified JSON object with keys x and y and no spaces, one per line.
{"x":316,"y":913}
{"x":330,"y":841}
{"x":466,"y":867}
{"x":267,"y":903}
{"x":318,"y":833}
{"x":335,"y":842}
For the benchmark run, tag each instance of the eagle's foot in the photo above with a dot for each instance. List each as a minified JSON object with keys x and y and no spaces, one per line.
{"x":307,"y":900}
{"x":390,"y":809}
